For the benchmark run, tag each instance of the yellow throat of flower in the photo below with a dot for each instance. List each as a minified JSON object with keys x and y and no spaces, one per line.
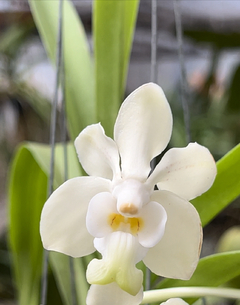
{"x":131,"y":225}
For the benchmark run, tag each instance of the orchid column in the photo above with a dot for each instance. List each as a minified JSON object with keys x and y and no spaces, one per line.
{"x":117,"y":210}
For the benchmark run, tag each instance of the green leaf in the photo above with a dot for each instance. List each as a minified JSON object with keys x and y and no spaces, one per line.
{"x":60,"y":265}
{"x":211,"y":271}
{"x":113,"y":23}
{"x":42,"y":155}
{"x":27,"y":194}
{"x":225,"y":189}
{"x":61,"y":269}
{"x":79,"y":77}
{"x":80,"y":268}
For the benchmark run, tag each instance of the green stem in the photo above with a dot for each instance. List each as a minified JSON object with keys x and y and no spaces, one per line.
{"x":185,"y":292}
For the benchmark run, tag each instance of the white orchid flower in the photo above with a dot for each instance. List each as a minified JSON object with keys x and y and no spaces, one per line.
{"x":118,"y":212}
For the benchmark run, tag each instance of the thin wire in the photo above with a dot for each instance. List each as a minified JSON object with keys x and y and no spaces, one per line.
{"x":64,"y":122}
{"x":73,"y":283}
{"x":65,"y":161}
{"x":55,"y":99}
{"x":154,"y":42}
{"x":183,"y":78}
{"x":52,"y":143}
{"x":153,"y":79}
{"x":44,"y":280}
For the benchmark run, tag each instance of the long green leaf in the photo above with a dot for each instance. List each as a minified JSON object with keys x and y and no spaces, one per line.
{"x":42,"y":154}
{"x":27,"y":194}
{"x":211,"y":271}
{"x":78,"y":64}
{"x":80,"y":267}
{"x":225,"y":189}
{"x":60,"y":265}
{"x":113,"y":23}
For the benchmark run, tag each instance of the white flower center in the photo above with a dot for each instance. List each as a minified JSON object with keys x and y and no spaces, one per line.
{"x":131,"y":195}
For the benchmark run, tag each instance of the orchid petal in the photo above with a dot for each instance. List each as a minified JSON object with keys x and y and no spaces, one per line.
{"x":100,"y":208}
{"x":142,"y":129}
{"x":112,"y":294}
{"x":177,"y":253}
{"x":97,"y":153}
{"x":154,"y":217}
{"x":63,"y":220}
{"x":118,"y":263}
{"x":187,"y":172}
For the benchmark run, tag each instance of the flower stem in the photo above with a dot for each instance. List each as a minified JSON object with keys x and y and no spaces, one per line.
{"x":185,"y":292}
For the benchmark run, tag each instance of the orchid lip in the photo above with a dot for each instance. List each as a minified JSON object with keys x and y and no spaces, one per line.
{"x":121,"y":253}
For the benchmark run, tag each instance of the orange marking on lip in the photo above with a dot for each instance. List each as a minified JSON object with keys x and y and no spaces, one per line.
{"x":128,"y":208}
{"x":129,"y":224}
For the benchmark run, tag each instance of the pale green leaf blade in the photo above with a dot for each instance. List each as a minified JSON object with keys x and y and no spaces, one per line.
{"x":27,"y":194}
{"x":79,"y":77}
{"x":114,"y":23}
{"x":42,"y":155}
{"x":80,"y":268}
{"x":60,"y":265}
{"x":225,"y":189}
{"x":129,"y":22}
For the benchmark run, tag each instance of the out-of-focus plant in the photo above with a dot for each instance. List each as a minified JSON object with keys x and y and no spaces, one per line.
{"x":214,"y":106}
{"x":23,"y":114}
{"x":15,"y":92}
